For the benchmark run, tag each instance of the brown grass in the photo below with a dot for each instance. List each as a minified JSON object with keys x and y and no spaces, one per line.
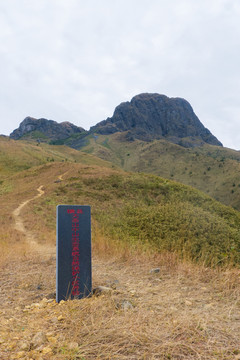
{"x":185,"y":311}
{"x":182,"y":312}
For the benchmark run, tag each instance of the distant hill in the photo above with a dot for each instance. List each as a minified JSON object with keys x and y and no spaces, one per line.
{"x":146,"y":117}
{"x":153,"y":134}
{"x":44,"y":129}
{"x":153,"y":116}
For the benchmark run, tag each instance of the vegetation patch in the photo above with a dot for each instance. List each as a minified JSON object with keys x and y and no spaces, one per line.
{"x":148,"y":212}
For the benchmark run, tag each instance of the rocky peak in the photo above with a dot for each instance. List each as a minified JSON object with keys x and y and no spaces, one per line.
{"x":51,"y":129}
{"x":153,"y":116}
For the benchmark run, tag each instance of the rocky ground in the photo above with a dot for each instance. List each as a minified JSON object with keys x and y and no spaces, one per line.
{"x":138,"y":314}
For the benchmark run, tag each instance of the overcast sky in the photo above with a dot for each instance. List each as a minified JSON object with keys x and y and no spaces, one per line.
{"x":76,"y":60}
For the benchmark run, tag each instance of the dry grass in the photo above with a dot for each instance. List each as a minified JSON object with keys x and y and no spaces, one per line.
{"x":184,"y":311}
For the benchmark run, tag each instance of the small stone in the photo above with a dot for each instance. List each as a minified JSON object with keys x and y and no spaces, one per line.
{"x":126,"y":305}
{"x":38,"y":340}
{"x":54,"y":320}
{"x":20,"y":354}
{"x":43,"y":305}
{"x":52,"y":339}
{"x":112,"y":284}
{"x":50,"y":301}
{"x":51,"y":296}
{"x":46,"y":350}
{"x":155,"y":271}
{"x":209,"y":306}
{"x":188,"y":303}
{"x":11,"y":346}
{"x":24,"y":346}
{"x":60,"y":318}
{"x":35,"y":305}
{"x":100,"y":290}
{"x":72,"y":345}
{"x":50,"y":333}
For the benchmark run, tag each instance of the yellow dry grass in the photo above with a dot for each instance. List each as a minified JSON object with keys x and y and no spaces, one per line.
{"x":184,"y":311}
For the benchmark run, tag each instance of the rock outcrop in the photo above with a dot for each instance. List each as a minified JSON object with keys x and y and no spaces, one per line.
{"x":153,"y":116}
{"x":146,"y":117}
{"x":49,"y":128}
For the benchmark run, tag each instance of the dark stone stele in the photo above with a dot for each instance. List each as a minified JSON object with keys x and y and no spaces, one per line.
{"x":74,"y":269}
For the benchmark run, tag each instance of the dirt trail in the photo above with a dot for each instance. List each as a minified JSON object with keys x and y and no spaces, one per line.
{"x":60,"y":177}
{"x":19,"y":221}
{"x":44,"y":249}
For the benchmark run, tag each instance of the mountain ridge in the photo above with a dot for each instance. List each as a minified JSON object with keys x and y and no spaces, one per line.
{"x":148,"y":116}
{"x":49,"y":128}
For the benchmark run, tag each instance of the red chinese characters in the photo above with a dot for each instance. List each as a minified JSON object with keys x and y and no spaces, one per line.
{"x":75,"y":251}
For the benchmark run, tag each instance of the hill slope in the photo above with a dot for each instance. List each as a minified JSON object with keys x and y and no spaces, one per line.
{"x":154,"y":134}
{"x":214,"y":170}
{"x":148,"y":235}
{"x":16,"y":156}
{"x":144,"y":211}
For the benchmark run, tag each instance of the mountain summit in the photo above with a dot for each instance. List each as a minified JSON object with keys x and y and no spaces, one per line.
{"x":153,"y":116}
{"x":146,"y":117}
{"x":48,"y":129}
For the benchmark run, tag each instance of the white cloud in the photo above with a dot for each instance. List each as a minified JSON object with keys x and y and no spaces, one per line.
{"x":76,"y":60}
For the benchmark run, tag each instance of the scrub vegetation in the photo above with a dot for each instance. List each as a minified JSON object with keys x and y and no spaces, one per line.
{"x":188,"y":309}
{"x":211,"y":169}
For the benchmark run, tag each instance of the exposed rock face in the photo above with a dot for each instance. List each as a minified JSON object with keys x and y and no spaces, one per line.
{"x":154,"y":116}
{"x":146,"y":117}
{"x":51,"y":129}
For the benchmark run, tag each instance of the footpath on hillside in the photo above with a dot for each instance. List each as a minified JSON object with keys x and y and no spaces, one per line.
{"x":148,"y":308}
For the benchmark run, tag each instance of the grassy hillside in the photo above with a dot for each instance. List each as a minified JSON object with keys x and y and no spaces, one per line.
{"x":16,"y":156}
{"x":139,"y":222}
{"x":159,"y":215}
{"x":142,"y":212}
{"x":211,"y":169}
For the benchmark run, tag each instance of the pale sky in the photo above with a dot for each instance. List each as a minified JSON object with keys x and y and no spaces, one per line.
{"x":76,"y":60}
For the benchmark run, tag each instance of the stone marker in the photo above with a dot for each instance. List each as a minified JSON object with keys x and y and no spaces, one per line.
{"x":74,"y":271}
